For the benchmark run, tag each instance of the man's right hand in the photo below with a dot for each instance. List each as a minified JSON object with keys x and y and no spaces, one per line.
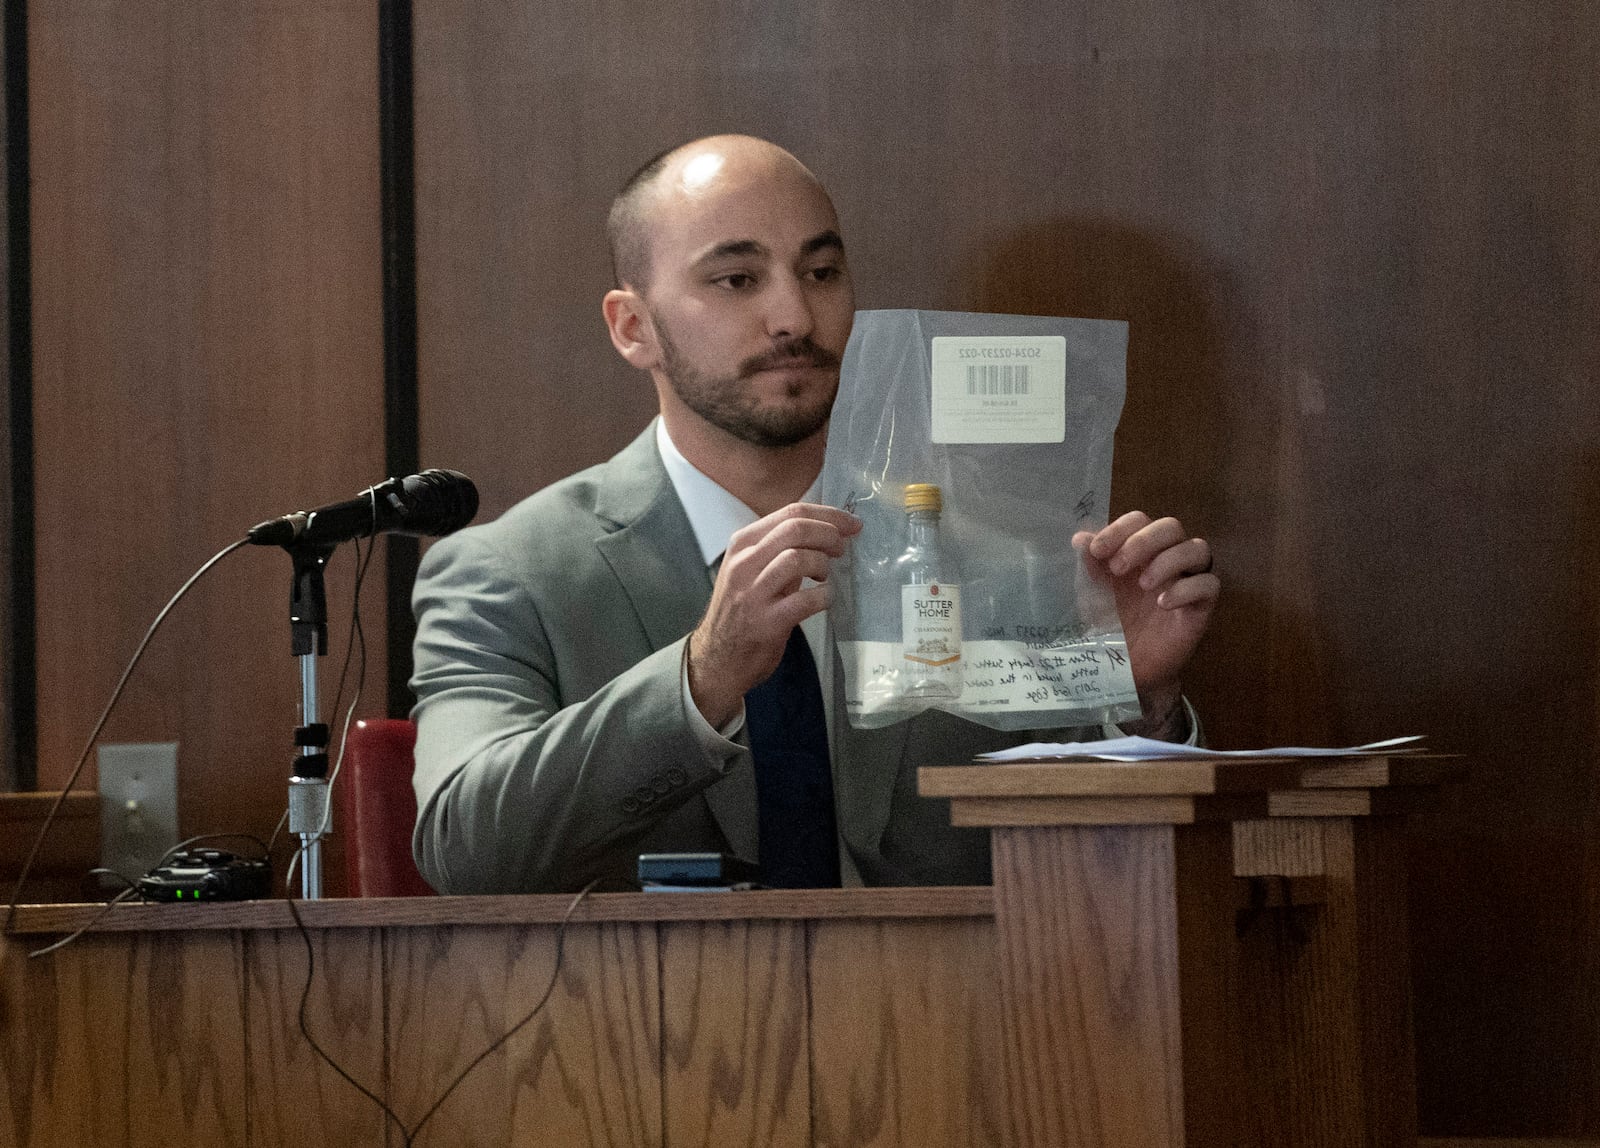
{"x":759,"y":598}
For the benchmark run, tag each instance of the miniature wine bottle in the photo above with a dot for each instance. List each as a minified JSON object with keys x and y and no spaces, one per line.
{"x":930,"y":603}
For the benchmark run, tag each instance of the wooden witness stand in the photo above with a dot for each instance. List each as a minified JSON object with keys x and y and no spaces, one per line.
{"x":1201,"y":954}
{"x":1174,"y":953}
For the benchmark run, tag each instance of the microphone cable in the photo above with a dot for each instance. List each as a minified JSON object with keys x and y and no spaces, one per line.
{"x":105,"y":715}
{"x":408,"y":1135}
{"x":357,"y":640}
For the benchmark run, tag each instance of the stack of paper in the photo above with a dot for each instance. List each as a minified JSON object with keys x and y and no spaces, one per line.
{"x":1144,"y":749}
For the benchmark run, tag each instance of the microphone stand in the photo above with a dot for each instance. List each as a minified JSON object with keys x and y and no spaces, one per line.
{"x":308,"y":779}
{"x":433,"y":502}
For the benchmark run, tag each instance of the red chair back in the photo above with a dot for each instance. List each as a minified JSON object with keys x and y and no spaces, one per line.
{"x":378,"y":809}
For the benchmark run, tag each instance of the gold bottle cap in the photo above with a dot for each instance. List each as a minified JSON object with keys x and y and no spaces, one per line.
{"x":923,"y":496}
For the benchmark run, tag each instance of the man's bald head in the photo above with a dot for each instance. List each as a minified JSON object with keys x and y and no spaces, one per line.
{"x":684,"y":170}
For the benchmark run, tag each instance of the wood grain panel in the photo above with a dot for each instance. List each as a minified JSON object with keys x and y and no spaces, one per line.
{"x":1090,"y":980}
{"x":1209,"y":984}
{"x":118,"y":1040}
{"x":584,"y":1071}
{"x":520,"y":909}
{"x":207,"y":353}
{"x":1361,"y":772}
{"x":1333,"y":1005}
{"x":1305,"y":966}
{"x":1103,"y":810}
{"x":735,"y":1035}
{"x":1119,"y":983}
{"x":291,"y":1094}
{"x":1323,"y":803}
{"x":448,"y":992}
{"x":1283,"y":848}
{"x":844,"y":1031}
{"x":905,"y":1035}
{"x":1053,"y":778}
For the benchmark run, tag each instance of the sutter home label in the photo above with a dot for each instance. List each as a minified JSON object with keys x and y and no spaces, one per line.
{"x":930,"y":624}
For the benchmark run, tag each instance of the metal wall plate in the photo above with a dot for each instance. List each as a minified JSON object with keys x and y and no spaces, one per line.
{"x":138,"y":805}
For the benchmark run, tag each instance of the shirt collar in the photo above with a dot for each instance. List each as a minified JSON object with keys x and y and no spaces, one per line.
{"x":713,"y":513}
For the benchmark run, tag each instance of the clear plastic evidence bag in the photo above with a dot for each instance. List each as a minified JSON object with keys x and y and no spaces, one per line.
{"x":973,"y":447}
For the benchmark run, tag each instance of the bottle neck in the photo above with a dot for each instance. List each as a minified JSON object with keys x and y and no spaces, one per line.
{"x":922,"y":526}
{"x":922,"y":531}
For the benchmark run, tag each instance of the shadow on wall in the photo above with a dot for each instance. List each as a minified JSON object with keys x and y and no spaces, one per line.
{"x":1202,"y":437}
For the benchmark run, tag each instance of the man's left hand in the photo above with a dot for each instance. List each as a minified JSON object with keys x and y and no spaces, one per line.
{"x":1165,"y":594}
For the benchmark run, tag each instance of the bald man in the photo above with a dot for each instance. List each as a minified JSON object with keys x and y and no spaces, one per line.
{"x":593,"y":667}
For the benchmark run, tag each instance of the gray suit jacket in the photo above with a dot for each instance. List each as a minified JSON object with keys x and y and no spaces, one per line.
{"x":553,"y":742}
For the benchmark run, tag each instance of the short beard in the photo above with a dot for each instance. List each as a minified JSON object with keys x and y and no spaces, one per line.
{"x":729,"y":406}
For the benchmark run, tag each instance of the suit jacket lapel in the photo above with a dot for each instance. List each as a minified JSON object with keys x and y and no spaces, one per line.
{"x":653,"y":554}
{"x":652,"y":550}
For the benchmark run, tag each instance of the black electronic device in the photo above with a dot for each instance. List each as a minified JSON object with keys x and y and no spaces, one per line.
{"x":207,"y":875}
{"x":695,"y":871}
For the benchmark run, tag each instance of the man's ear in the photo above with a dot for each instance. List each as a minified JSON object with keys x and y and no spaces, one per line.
{"x":633,"y":333}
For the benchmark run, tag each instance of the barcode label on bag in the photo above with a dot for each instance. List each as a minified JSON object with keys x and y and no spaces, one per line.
{"x":1010,"y":379}
{"x":999,"y":388}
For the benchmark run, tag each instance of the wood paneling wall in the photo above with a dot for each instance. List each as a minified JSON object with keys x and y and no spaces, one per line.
{"x":1357,"y":245}
{"x":207,"y":353}
{"x":8,"y":621}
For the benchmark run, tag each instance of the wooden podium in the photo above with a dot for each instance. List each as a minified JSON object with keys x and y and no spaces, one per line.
{"x":1175,"y":953}
{"x":1202,"y":953}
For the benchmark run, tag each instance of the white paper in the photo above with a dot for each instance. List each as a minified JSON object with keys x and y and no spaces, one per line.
{"x":1145,"y":749}
{"x":999,"y":388}
{"x":1003,"y":676}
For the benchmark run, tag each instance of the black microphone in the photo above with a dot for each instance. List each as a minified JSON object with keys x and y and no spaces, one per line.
{"x":433,"y":502}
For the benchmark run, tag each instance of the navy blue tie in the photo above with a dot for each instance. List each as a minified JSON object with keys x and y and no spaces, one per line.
{"x":794,"y":784}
